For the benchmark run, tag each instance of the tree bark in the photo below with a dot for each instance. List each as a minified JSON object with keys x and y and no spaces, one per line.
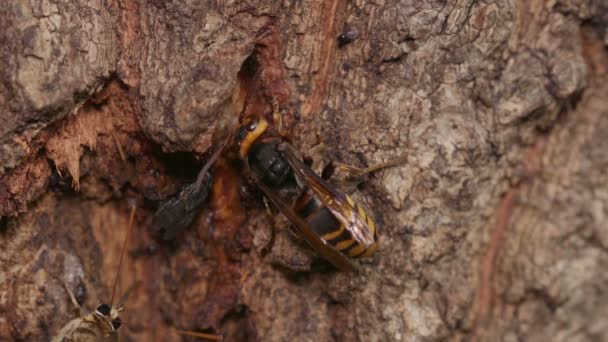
{"x":493,"y":229}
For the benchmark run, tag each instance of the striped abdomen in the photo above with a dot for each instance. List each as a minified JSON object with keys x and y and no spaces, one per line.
{"x":323,"y":222}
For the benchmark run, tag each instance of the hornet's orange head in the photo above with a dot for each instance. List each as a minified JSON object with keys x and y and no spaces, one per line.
{"x":249,"y":131}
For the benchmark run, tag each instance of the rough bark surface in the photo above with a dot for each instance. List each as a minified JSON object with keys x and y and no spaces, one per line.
{"x":494,"y":229}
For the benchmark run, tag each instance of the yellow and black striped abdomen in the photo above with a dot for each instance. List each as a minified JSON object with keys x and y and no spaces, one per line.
{"x":333,"y":232}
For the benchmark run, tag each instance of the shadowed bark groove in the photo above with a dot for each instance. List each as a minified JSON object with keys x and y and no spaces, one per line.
{"x":494,"y":229}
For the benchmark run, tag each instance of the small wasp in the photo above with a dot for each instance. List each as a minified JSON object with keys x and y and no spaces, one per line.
{"x":330,"y":221}
{"x":104,"y":323}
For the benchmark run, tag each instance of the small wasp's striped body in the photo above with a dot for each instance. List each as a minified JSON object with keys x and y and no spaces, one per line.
{"x":331,"y":230}
{"x":330,"y":221}
{"x":91,"y":327}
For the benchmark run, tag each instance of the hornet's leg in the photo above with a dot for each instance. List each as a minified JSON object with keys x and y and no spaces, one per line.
{"x":358,"y":172}
{"x":266,"y":249}
{"x":270,"y":243}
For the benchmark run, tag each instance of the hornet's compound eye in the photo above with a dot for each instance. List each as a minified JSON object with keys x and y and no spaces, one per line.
{"x":116,"y":322}
{"x":251,"y":126}
{"x":241,"y":134}
{"x":103,"y":310}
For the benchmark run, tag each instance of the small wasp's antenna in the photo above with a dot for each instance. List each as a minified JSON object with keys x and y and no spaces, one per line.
{"x":201,"y":175}
{"x":245,"y":106}
{"x":124,"y":248}
{"x":211,"y":337}
{"x":212,"y":159}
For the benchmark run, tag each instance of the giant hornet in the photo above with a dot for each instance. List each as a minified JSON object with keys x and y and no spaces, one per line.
{"x":330,"y":221}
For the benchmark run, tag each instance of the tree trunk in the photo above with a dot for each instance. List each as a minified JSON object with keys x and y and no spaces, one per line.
{"x":493,"y":229}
